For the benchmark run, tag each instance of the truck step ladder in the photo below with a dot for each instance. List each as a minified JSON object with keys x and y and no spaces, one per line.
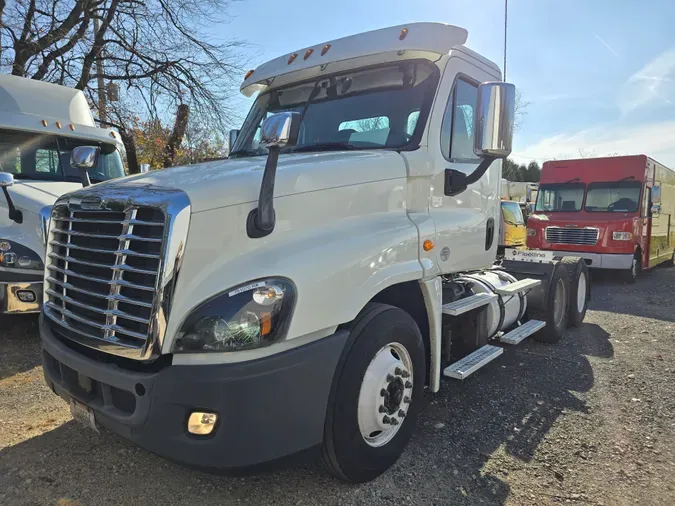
{"x":518,"y":286}
{"x":472,"y":362}
{"x":520,"y":333}
{"x":461,"y":306}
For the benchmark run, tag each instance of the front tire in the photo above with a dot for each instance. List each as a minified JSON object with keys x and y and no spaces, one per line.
{"x":632,"y":274}
{"x":376,"y":394}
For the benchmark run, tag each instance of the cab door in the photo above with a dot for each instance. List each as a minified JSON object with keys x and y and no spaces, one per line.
{"x":467,"y":225}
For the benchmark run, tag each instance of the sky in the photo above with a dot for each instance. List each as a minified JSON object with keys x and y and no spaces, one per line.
{"x":598,"y":75}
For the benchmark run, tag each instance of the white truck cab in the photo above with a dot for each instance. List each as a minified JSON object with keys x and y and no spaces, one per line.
{"x":40,"y":125}
{"x":299,"y":297}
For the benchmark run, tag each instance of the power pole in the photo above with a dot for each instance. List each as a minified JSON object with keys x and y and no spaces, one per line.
{"x":506,"y":10}
{"x":99,"y":72}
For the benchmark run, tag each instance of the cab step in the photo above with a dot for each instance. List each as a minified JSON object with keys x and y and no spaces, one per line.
{"x":518,"y":286}
{"x":520,"y":333}
{"x":472,"y":362}
{"x":462,"y":306}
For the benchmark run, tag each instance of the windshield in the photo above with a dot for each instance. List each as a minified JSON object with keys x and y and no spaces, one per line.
{"x":512,"y":213}
{"x":373,"y":108}
{"x":47,"y":158}
{"x":618,"y":197}
{"x":560,"y":197}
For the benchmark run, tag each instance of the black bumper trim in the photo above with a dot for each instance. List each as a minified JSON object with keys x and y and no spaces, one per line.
{"x":269,"y":409}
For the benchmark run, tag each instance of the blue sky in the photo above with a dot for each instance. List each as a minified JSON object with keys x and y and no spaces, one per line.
{"x":599,"y":75}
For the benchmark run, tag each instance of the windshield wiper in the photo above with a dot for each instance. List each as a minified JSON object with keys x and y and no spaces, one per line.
{"x":325,"y":146}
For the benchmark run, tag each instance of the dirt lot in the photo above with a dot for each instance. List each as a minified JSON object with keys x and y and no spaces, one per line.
{"x":589,"y":421}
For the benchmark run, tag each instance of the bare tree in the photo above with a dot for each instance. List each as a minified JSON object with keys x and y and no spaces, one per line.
{"x":154,"y":50}
{"x":520,"y":110}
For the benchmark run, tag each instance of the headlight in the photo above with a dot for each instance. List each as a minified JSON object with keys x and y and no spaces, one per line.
{"x":16,"y":256}
{"x":622,"y":236}
{"x":249,"y":316}
{"x":531,"y":232}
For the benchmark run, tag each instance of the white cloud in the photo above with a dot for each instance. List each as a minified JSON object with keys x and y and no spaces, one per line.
{"x":655,"y":139}
{"x":653,"y":84}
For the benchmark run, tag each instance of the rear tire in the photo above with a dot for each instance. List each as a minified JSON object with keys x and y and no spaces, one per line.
{"x":381,"y":376}
{"x":556,"y":312}
{"x":580,"y":290}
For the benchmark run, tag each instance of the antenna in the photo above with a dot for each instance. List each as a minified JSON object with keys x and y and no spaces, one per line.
{"x":506,"y":10}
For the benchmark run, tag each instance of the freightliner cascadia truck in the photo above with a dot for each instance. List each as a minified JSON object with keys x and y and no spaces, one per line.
{"x":297,"y":299}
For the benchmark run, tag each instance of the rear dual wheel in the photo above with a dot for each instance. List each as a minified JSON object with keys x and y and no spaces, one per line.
{"x":554,"y":310}
{"x":580,"y":289}
{"x":376,"y":394}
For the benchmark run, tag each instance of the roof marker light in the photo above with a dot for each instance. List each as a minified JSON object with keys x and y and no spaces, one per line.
{"x":404,"y":34}
{"x":58,"y":125}
{"x":248,"y":74}
{"x":112,"y":134}
{"x":44,"y":122}
{"x":325,"y":49}
{"x":308,"y":53}
{"x":292,"y":58}
{"x":72,"y":127}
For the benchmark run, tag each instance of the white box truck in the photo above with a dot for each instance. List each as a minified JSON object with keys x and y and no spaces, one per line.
{"x":40,"y":124}
{"x":298,"y":298}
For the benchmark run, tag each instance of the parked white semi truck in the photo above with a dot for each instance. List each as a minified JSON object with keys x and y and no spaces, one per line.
{"x":298,"y":298}
{"x":40,"y":124}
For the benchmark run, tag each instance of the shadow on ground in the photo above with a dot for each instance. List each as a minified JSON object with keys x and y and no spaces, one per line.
{"x":19,"y":344}
{"x":509,"y":406}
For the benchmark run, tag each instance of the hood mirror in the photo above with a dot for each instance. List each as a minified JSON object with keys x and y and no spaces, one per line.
{"x":7,"y":180}
{"x":233,"y":138}
{"x":84,"y":158}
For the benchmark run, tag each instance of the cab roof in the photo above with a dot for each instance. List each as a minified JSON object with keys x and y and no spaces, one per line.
{"x":413,"y":40}
{"x":27,"y":105}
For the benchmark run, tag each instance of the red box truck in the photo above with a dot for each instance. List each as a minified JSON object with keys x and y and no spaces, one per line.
{"x":616,"y":212}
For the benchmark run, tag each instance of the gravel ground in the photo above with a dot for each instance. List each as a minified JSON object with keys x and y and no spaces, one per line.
{"x":588,"y":421}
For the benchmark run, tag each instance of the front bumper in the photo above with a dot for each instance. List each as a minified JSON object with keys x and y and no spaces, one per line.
{"x":268,"y":409}
{"x":600,"y":260}
{"x":10,"y":302}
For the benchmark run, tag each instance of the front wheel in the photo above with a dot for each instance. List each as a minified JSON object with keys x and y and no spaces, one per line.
{"x":376,"y":394}
{"x":635,"y":268}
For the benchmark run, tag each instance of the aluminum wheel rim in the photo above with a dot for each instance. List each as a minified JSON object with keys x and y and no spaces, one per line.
{"x":633,"y":269}
{"x":385,"y":395}
{"x":581,"y":292}
{"x":559,"y":303}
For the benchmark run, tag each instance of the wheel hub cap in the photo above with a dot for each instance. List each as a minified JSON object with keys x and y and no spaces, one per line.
{"x":385,"y":395}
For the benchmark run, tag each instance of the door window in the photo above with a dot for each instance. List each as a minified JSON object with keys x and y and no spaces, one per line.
{"x":457,"y":130}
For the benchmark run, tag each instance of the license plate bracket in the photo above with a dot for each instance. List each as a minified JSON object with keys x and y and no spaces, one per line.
{"x":83,"y":414}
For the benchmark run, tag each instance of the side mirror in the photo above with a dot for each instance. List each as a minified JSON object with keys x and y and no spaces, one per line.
{"x":144,"y":167}
{"x":494,"y":119}
{"x":655,"y":210}
{"x":84,"y":158}
{"x":656,"y":194}
{"x":233,"y":137}
{"x":280,"y":130}
{"x":6,"y":179}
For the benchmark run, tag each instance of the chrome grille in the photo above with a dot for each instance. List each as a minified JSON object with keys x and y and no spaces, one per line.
{"x":102,"y":272}
{"x":570,"y":235}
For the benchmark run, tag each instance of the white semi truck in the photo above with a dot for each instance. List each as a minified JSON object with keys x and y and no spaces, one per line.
{"x":298,"y":298}
{"x":40,"y":125}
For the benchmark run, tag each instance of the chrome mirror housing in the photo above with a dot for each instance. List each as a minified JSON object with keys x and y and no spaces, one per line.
{"x":85,"y":157}
{"x":494,"y":119}
{"x":6,"y":179}
{"x":280,"y":130}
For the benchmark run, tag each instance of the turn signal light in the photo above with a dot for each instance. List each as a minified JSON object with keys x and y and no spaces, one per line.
{"x":202,"y":424}
{"x":428,"y":245}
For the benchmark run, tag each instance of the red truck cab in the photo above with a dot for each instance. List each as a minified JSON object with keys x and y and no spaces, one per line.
{"x":610,"y":211}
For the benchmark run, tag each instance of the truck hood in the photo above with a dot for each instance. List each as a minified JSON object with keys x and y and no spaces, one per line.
{"x":236,"y":181}
{"x":31,"y":196}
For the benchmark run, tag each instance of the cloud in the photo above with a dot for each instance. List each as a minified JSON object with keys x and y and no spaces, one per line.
{"x":653,"y":84}
{"x":609,"y":48}
{"x":654,"y":139}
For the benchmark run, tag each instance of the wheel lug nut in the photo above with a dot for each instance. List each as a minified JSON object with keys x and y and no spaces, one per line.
{"x":405,"y":374}
{"x":401,"y":413}
{"x":406,"y":400}
{"x":408,"y":384}
{"x":381,"y":409}
{"x":390,"y":378}
{"x":386,"y":419}
{"x":398,"y":372}
{"x":383,"y":392}
{"x":394,"y":421}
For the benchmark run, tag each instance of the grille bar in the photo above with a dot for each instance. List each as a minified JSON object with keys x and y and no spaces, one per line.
{"x":109,"y":222}
{"x":115,"y":312}
{"x":77,"y":330}
{"x":579,"y":236}
{"x":109,"y":327}
{"x":122,"y":267}
{"x":119,"y":298}
{"x":123,"y":252}
{"x":121,"y":282}
{"x":130,"y":237}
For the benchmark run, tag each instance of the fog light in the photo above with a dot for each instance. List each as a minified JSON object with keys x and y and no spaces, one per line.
{"x":26,"y":295}
{"x":202,"y":424}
